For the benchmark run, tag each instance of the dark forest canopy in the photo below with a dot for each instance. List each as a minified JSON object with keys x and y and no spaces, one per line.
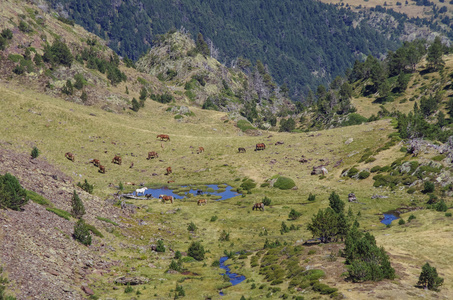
{"x":304,"y":43}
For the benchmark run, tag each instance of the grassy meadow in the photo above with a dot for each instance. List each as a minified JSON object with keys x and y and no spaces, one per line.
{"x":54,"y":126}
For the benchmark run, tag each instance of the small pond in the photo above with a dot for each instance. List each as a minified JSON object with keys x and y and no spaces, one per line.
{"x":210,"y":189}
{"x":234,"y":278}
{"x":389,"y":217}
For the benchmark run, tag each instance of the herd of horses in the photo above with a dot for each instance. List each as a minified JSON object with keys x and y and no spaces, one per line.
{"x":153,"y":154}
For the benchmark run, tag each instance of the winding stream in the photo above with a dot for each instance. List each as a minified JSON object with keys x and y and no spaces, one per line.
{"x":234,"y":278}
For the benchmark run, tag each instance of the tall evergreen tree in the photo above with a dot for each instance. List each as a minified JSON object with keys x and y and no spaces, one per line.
{"x":336,"y":203}
{"x":435,"y":52}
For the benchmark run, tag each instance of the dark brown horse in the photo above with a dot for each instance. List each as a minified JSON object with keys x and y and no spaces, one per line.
{"x":101,"y":169}
{"x":259,"y":206}
{"x":166,"y":198}
{"x":169,"y":171}
{"x":69,"y":156}
{"x":240,"y":149}
{"x":152,"y":154}
{"x":202,"y":201}
{"x":117,"y":160}
{"x":260,"y":146}
{"x":163,"y":137}
{"x":95,"y":162}
{"x":200,"y":150}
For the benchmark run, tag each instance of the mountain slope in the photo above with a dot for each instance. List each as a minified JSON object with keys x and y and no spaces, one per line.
{"x":304,"y":43}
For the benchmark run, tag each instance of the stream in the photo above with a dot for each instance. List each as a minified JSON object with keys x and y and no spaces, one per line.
{"x":234,"y":278}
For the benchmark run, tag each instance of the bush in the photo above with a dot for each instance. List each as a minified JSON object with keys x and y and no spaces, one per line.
{"x":441,"y":206}
{"x":266,"y":201}
{"x":160,"y":246}
{"x":196,"y":250}
{"x":411,"y":217}
{"x":78,"y":210}
{"x":284,"y":183}
{"x":311,"y":197}
{"x":428,"y":187}
{"x":352,"y":172}
{"x":401,"y":222}
{"x":34,"y":152}
{"x":192,"y":227}
{"x":429,"y":278}
{"x":448,"y":214}
{"x":12,"y":194}
{"x":82,"y":233}
{"x":364,"y":174}
{"x":86,"y":187}
{"x":294,"y":215}
{"x":248,"y":184}
{"x":58,"y":53}
{"x":214,"y":218}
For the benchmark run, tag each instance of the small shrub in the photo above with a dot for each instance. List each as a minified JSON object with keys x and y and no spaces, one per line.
{"x":441,"y":206}
{"x":86,"y":187}
{"x":78,"y":209}
{"x":215,"y":263}
{"x":196,"y":250}
{"x":192,"y":227}
{"x":448,"y":214}
{"x":82,"y":233}
{"x":214,"y":218}
{"x":266,"y":201}
{"x":284,"y":183}
{"x":428,"y":187}
{"x":364,"y":174}
{"x":160,"y":246}
{"x":128,"y":289}
{"x":352,"y":172}
{"x":248,"y":184}
{"x":401,"y":222}
{"x":429,"y":278}
{"x":411,"y":217}
{"x":224,"y":236}
{"x":34,"y":152}
{"x":294,"y":215}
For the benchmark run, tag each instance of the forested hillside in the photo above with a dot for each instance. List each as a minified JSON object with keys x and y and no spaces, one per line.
{"x":303,"y":43}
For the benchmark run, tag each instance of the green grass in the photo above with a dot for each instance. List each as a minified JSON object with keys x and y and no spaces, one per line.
{"x":59,"y":212}
{"x":107,"y":220}
{"x":37,"y":198}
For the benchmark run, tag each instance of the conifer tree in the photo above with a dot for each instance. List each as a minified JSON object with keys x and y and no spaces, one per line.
{"x":78,"y":210}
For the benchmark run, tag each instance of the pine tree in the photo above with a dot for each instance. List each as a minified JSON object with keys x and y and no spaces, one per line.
{"x":435,"y":52}
{"x":82,"y":233}
{"x":429,"y":278}
{"x":12,"y":194}
{"x":335,"y":203}
{"x":78,"y":210}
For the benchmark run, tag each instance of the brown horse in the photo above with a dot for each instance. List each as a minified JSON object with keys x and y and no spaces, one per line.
{"x":152,"y":154}
{"x":200,"y":150}
{"x":163,"y":137}
{"x":169,"y":171}
{"x":259,"y":206}
{"x":166,"y":198}
{"x":69,"y":156}
{"x":95,"y":162}
{"x":117,"y":160}
{"x":260,"y":146}
{"x":101,"y":169}
{"x":240,"y":149}
{"x":202,"y":201}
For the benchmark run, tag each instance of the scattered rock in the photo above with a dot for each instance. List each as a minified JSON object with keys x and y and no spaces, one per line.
{"x":348,"y":141}
{"x":131,"y":280}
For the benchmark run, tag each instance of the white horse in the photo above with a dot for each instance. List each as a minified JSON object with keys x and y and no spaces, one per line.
{"x":140,"y":191}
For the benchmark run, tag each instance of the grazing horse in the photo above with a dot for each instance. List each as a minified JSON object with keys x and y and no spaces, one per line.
{"x":240,"y":150}
{"x":166,"y":198}
{"x":169,"y":171}
{"x":202,"y":201}
{"x":259,"y":206}
{"x":116,"y":160}
{"x":140,"y":191}
{"x":101,"y":169}
{"x":260,"y":146}
{"x":69,"y":156}
{"x":163,"y":137}
{"x":200,"y":150}
{"x":95,"y":162}
{"x":152,"y":154}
